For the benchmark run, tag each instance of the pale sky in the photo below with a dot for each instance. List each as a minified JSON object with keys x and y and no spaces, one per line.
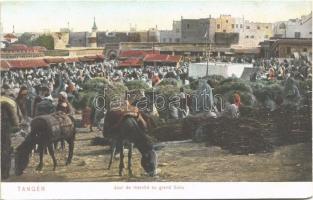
{"x":35,"y":16}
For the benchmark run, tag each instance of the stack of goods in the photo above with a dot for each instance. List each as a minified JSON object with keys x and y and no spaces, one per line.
{"x":229,"y":86}
{"x":192,"y":123}
{"x":136,"y":85}
{"x":293,"y":124}
{"x":171,"y":131}
{"x":161,"y":96}
{"x":266,"y":93}
{"x":170,"y":81}
{"x":238,"y":136}
{"x":113,"y":92}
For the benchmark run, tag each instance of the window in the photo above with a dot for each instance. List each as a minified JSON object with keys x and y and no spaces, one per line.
{"x":266,"y":27}
{"x":247,"y":27}
{"x":241,"y":26}
{"x":236,"y":25}
{"x":252,"y":36}
{"x":310,"y":33}
{"x":258,"y":28}
{"x":233,"y":26}
{"x":247,"y":36}
{"x":305,"y":50}
{"x":297,"y":34}
{"x":218,"y":26}
{"x":188,"y":26}
{"x":224,"y":31}
{"x":226,"y":21}
{"x":266,"y":36}
{"x":164,"y":40}
{"x":177,"y":40}
{"x":170,"y":40}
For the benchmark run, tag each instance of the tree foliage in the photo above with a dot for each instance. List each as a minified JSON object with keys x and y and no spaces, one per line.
{"x":44,"y":41}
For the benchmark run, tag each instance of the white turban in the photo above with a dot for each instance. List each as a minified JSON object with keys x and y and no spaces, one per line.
{"x":63,"y":94}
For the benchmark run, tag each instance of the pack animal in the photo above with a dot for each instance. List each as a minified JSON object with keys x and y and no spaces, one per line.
{"x":10,"y":119}
{"x":126,"y":128}
{"x":45,"y":131}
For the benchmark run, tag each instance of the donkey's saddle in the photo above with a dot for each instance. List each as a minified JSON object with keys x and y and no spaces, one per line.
{"x":59,"y":124}
{"x":116,"y":116}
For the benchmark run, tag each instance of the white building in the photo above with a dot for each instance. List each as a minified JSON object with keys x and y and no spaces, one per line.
{"x":171,"y":36}
{"x":153,"y":35}
{"x":294,"y":28}
{"x":92,"y":38}
{"x":251,"y":33}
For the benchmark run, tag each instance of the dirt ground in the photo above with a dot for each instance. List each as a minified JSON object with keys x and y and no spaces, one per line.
{"x":178,"y":161}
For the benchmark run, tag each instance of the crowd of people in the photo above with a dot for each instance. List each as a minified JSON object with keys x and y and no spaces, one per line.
{"x":41,"y":91}
{"x":272,"y":69}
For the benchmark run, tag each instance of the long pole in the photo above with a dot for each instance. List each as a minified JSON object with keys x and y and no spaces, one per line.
{"x":206,"y":53}
{"x":153,"y":47}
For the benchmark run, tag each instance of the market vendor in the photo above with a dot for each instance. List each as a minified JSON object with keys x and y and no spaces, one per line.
{"x":63,"y":104}
{"x":232,"y":110}
{"x":21,"y":100}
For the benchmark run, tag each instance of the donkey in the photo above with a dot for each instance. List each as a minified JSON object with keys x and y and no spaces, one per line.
{"x":45,"y":131}
{"x":128,"y":131}
{"x":10,"y":119}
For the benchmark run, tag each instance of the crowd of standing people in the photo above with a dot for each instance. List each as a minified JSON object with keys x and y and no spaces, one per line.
{"x":41,"y":91}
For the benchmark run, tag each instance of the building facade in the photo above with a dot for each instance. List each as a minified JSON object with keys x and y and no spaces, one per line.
{"x":78,"y":39}
{"x":225,"y":24}
{"x":286,"y":48}
{"x":294,"y":28}
{"x":171,"y":36}
{"x":61,"y":39}
{"x":252,"y":33}
{"x":111,"y":37}
{"x":197,"y":30}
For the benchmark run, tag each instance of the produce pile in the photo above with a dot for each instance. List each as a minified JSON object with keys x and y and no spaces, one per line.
{"x":171,"y":131}
{"x":238,"y":136}
{"x":263,"y":124}
{"x":229,"y":86}
{"x":96,"y":87}
{"x":292,"y":124}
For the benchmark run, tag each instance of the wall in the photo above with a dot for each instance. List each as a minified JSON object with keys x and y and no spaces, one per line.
{"x":7,"y":55}
{"x":287,"y":29}
{"x":85,"y":51}
{"x":61,"y":39}
{"x":169,"y":36}
{"x":153,"y":35}
{"x":194,"y":30}
{"x":78,"y":39}
{"x":254,"y":33}
{"x":227,"y":39}
{"x":304,"y":26}
{"x":282,"y":50}
{"x":225,"y":23}
{"x":111,"y":37}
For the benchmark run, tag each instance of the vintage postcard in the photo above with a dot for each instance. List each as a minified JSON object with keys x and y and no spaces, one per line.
{"x":156,"y":99}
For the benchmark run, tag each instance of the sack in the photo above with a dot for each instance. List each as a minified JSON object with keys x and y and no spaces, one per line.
{"x":15,"y":113}
{"x":45,"y":107}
